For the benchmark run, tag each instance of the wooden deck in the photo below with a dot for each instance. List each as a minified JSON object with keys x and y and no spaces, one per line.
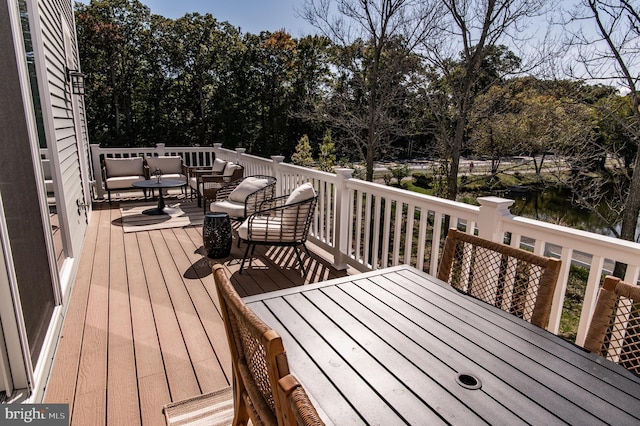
{"x":143,"y":327}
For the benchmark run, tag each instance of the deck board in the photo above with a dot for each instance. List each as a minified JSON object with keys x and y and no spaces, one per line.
{"x":122,"y":392}
{"x":91,"y":391}
{"x":143,"y":326}
{"x":62,"y":382}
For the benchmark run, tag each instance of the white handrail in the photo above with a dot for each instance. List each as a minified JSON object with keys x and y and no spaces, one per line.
{"x":368,"y":226}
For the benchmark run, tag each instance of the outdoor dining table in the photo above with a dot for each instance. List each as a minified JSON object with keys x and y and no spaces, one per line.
{"x":399,"y":346}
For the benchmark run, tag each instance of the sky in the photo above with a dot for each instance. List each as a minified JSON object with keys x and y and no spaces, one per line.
{"x":252,"y":16}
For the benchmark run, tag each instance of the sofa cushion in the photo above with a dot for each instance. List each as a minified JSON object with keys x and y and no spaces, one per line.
{"x":301,"y":193}
{"x":232,"y":209}
{"x":218,"y":166}
{"x":193,"y":183}
{"x":173,"y":176}
{"x":262,"y":229}
{"x":124,"y":166}
{"x":168,"y":164}
{"x":122,"y":182}
{"x":248,"y":186}
{"x":229,"y":168}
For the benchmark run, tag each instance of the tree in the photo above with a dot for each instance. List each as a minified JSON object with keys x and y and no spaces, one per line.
{"x":302,"y":156}
{"x":112,"y":36}
{"x":475,"y":29}
{"x":372,"y":41}
{"x":612,"y":54}
{"x":495,"y":128}
{"x":327,"y":157}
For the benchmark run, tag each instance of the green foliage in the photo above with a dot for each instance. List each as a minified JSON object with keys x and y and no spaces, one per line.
{"x":399,"y":172}
{"x":327,"y":157}
{"x":422,"y":180}
{"x":359,"y":172}
{"x":572,"y":307}
{"x":194,"y":80}
{"x":302,"y":156}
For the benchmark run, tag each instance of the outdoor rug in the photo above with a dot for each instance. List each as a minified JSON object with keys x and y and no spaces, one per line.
{"x":181,"y":213}
{"x":210,"y":409}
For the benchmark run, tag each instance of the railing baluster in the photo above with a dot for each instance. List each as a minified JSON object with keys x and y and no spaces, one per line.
{"x":345,"y":210}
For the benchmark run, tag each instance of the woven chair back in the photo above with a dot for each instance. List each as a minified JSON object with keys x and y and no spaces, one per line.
{"x":509,"y":278}
{"x":614,"y":331}
{"x":258,"y":356}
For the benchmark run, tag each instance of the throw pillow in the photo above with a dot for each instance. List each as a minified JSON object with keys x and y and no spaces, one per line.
{"x":124,"y":166}
{"x":248,"y":186}
{"x":228,"y":169}
{"x":218,"y":165}
{"x":301,"y":193}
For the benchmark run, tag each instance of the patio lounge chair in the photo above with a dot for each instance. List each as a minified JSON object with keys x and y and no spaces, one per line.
{"x":208,"y":185}
{"x":258,"y":356}
{"x":193,"y":174}
{"x":281,"y":221}
{"x":614,"y":331}
{"x":118,"y":174}
{"x":242,"y":197}
{"x":514,"y":280}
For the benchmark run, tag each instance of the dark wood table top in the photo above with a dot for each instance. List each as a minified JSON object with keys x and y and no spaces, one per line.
{"x":389,"y":347}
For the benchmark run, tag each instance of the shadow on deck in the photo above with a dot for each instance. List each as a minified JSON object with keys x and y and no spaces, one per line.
{"x":143,"y":326}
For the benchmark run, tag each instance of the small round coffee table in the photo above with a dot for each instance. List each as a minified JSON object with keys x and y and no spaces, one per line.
{"x":162,"y":184}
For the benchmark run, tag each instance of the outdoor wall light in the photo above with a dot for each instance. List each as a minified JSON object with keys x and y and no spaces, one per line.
{"x":76,"y":78}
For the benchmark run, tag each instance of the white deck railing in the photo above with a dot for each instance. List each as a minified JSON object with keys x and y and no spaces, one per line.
{"x":366,"y":225}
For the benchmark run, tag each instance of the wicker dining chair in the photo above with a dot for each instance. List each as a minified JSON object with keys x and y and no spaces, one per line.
{"x":297,"y":409}
{"x":512,"y":279}
{"x":614,"y":332}
{"x":258,"y":356}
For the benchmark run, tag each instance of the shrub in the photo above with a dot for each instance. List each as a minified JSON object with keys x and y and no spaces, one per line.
{"x":327,"y":158}
{"x":302,"y":156}
{"x":422,"y":180}
{"x":399,"y":172}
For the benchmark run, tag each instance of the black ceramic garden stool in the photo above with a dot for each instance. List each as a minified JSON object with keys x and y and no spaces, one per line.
{"x":216,"y":235}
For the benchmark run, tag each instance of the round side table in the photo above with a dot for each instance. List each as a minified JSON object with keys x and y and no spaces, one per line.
{"x":216,"y":234}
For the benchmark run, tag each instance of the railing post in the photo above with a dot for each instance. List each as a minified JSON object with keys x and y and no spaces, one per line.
{"x":277,"y":172}
{"x":342,"y":217}
{"x":239,"y":153}
{"x":492,"y":211}
{"x":97,"y":170}
{"x":216,"y":152}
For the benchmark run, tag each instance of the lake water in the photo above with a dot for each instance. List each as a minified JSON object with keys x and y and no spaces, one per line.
{"x":554,"y":206}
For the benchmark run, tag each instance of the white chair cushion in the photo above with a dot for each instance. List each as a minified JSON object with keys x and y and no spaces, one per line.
{"x":301,"y":193}
{"x":218,"y":166}
{"x":122,"y":182}
{"x":193,"y":183}
{"x":229,"y":168}
{"x":259,"y":227}
{"x":173,"y":176}
{"x":124,"y":166}
{"x":168,"y":165}
{"x":232,"y":209}
{"x":248,"y":186}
